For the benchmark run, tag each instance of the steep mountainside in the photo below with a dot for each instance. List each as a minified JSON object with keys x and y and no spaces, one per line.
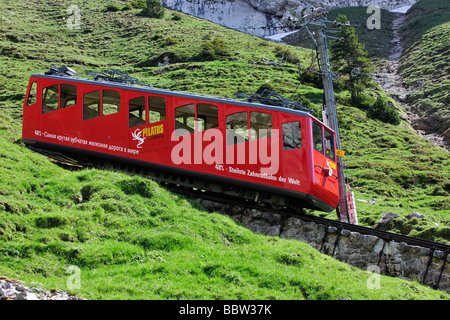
{"x":425,"y":66}
{"x":132,"y":239}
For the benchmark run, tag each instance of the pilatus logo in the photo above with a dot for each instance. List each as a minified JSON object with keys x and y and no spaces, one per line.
{"x":137,"y":135}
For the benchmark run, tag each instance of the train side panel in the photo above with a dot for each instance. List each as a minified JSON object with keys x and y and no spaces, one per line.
{"x":263,"y":146}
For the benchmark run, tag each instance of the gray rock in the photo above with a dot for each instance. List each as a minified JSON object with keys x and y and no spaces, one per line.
{"x":11,"y":289}
{"x":25,"y":295}
{"x":388,"y":217}
{"x":415,"y":215}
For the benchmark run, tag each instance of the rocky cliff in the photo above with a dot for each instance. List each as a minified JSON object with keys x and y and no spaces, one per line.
{"x":264,"y":17}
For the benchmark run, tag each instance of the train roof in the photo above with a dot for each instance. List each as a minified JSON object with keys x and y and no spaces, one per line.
{"x":151,"y":89}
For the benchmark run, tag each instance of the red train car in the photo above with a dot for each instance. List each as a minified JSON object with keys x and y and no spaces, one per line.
{"x":269,"y":150}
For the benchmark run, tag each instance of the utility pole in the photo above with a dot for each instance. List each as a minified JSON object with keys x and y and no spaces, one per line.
{"x":318,"y":21}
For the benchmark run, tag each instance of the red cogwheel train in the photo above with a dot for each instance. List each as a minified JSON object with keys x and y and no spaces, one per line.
{"x":270,"y":150}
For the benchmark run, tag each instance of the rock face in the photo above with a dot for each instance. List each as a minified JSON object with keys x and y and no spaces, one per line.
{"x":12,"y":289}
{"x":239,"y":14}
{"x":264,"y":17}
{"x":367,"y":252}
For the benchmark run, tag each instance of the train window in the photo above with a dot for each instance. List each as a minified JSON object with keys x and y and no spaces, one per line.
{"x":91,"y":105}
{"x":237,"y":128}
{"x":260,"y":125}
{"x":292,"y":135}
{"x":50,"y":97}
{"x":110,"y":102}
{"x":185,"y":118}
{"x":32,"y":94}
{"x":329,"y":145}
{"x":317,"y":137}
{"x":156,"y":109}
{"x":136,"y":112}
{"x":207,"y":117}
{"x":68,"y":95}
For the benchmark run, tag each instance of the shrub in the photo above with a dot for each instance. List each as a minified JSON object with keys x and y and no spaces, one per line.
{"x":312,"y":78}
{"x":138,"y":4}
{"x":112,"y":8}
{"x":286,"y":53}
{"x":170,"y":41}
{"x":153,"y":9}
{"x":214,"y":50}
{"x":128,"y":7}
{"x":384,"y":111}
{"x":176,"y":16}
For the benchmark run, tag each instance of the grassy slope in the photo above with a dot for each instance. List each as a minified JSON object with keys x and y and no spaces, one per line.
{"x":425,"y":64}
{"x":401,"y":171}
{"x":133,"y":239}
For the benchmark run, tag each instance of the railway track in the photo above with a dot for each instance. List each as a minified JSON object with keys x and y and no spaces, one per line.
{"x":195,"y":189}
{"x":385,"y":235}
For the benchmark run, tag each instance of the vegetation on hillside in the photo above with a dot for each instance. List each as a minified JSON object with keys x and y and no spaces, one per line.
{"x":376,"y":41}
{"x":134,"y":240}
{"x":425,"y":64}
{"x":349,"y":56}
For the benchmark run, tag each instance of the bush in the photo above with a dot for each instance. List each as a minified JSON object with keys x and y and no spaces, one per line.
{"x":112,"y":8}
{"x":214,"y":50}
{"x":176,"y":16}
{"x":312,"y":78}
{"x":153,"y":9}
{"x":286,"y":53}
{"x":128,"y":7}
{"x":383,"y":110}
{"x":138,"y":4}
{"x":170,"y":41}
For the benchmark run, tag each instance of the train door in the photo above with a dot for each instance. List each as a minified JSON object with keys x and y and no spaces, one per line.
{"x":294,"y":164}
{"x":102,"y":118}
{"x":59,"y":110}
{"x":325,"y":169}
{"x":31,"y":114}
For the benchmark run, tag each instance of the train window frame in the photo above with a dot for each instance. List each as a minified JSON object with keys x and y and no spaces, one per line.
{"x":196,"y":117}
{"x":63,"y":101}
{"x":316,"y":139}
{"x":330,"y":148}
{"x":154,"y":109}
{"x":46,"y":108}
{"x":87,"y":107}
{"x":290,"y":142}
{"x":139,"y":119}
{"x":111,"y":106}
{"x":186,"y":113}
{"x":209,"y":116}
{"x":260,"y":129}
{"x":32,"y":94}
{"x":233,"y":136}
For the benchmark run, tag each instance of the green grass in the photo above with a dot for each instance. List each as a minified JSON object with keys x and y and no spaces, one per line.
{"x":134,"y":240}
{"x":424,"y":65}
{"x":422,"y":17}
